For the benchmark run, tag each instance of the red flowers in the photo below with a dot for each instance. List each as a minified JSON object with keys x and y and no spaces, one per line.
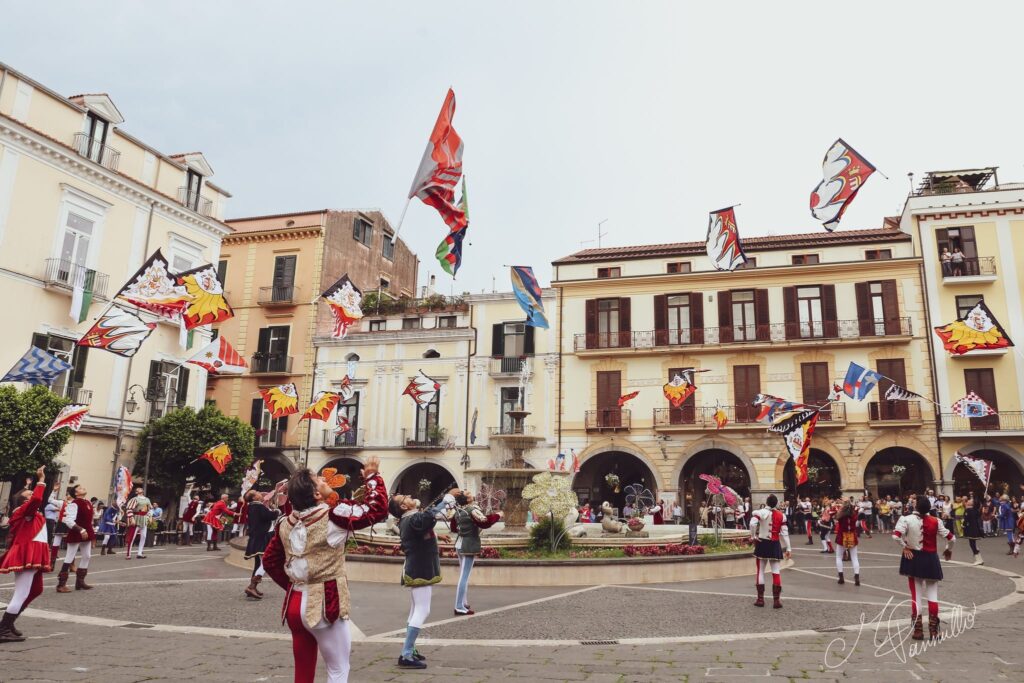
{"x":668,"y":549}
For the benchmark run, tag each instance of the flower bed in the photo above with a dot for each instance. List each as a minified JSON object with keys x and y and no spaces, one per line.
{"x":662,"y":550}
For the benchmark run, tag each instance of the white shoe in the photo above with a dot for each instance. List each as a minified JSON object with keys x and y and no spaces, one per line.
{"x":978,"y":560}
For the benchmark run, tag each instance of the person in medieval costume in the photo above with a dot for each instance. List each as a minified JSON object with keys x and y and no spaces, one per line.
{"x":467,"y":522}
{"x":306,"y":557}
{"x":137,"y":513}
{"x":27,"y":556}
{"x":108,"y":527}
{"x":188,"y":518}
{"x":973,"y":528}
{"x":78,"y":517}
{"x":261,"y":524}
{"x":826,"y":525}
{"x":214,"y":521}
{"x":848,"y":537}
{"x":918,"y":534}
{"x":770,"y":533}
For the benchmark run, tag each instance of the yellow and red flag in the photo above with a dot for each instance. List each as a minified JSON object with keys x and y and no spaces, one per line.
{"x":977,"y":330}
{"x":721,"y":419}
{"x":797,"y":432}
{"x":281,"y":400}
{"x":206,"y":303}
{"x":680,"y":388}
{"x":441,"y":167}
{"x":219,"y":456}
{"x":345,"y":301}
{"x":321,"y":407}
{"x":627,"y":397}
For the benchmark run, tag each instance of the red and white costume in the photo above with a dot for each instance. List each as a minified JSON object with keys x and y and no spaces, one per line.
{"x":188,"y":519}
{"x":78,"y":517}
{"x":658,"y":516}
{"x":213,"y":519}
{"x":306,"y":557}
{"x":770,"y":533}
{"x":28,"y":554}
{"x":848,"y":537}
{"x":241,"y":519}
{"x":923,"y":571}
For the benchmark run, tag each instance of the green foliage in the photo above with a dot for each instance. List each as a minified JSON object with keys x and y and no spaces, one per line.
{"x":182,"y":436}
{"x":542,"y":532}
{"x":24,"y":417}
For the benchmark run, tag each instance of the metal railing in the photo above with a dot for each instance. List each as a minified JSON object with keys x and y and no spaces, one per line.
{"x":80,"y":395}
{"x":276,"y":294}
{"x":271,"y":438}
{"x":703,"y":417}
{"x":413,"y":439}
{"x":740,"y":334}
{"x":506,"y":365}
{"x":270,"y":364}
{"x":611,"y":419}
{"x":67,"y":274}
{"x":353,"y":438}
{"x":894,"y":411}
{"x":1005,"y":421}
{"x":90,"y":148}
{"x":195,"y":201}
{"x":508,"y":430}
{"x":980,"y":265}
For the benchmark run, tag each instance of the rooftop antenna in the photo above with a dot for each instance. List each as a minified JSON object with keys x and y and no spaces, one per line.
{"x":599,"y":234}
{"x":910,"y":177}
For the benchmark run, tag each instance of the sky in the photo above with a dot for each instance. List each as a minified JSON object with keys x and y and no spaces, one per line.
{"x":644,"y":115}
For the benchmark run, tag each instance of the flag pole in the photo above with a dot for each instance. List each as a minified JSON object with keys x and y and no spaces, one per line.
{"x":401,"y":219}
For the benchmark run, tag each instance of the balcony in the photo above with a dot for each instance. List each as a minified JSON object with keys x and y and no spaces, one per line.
{"x":270,"y":364}
{"x":874,"y":331}
{"x":270,"y":438}
{"x":894,"y":413}
{"x":195,"y":201}
{"x":80,"y":395}
{"x":104,"y":155}
{"x":509,"y":430}
{"x":979,"y":269}
{"x":418,"y":440}
{"x":277,"y":295}
{"x":693,"y":418}
{"x":350,"y":439}
{"x":506,"y":365}
{"x":608,"y":420}
{"x":64,"y":274}
{"x":1006,"y":423}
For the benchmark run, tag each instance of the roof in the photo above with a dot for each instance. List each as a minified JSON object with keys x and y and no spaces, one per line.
{"x":889,"y":233}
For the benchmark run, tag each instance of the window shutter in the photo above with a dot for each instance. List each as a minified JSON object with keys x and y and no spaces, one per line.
{"x":982,"y":382}
{"x":661,"y":319}
{"x":624,"y":323}
{"x":528,"y":340}
{"x":40,"y":341}
{"x":865,"y":318}
{"x":182,"y":386}
{"x":591,"y":319}
{"x":284,"y":271}
{"x":791,"y":312}
{"x":498,"y":340}
{"x":761,"y":318}
{"x":154,"y":385}
{"x":893,"y":371}
{"x":725,"y":317}
{"x":78,"y":360}
{"x":828,"y":311}
{"x":890,"y":307}
{"x":256,"y":416}
{"x":263,"y":345}
{"x":696,"y":318}
{"x":282,"y":426}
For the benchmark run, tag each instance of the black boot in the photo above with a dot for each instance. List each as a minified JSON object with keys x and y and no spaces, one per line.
{"x":841,"y":579}
{"x":933,"y":627}
{"x":256,"y":585}
{"x":776,"y":595}
{"x":918,"y":628}
{"x":80,"y":584}
{"x":856,"y":579}
{"x":760,"y":596}
{"x":7,"y":632}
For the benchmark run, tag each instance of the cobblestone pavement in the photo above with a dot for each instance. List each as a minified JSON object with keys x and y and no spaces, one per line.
{"x":179,"y":616}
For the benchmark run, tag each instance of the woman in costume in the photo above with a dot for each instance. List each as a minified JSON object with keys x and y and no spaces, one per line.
{"x":918,"y":534}
{"x":27,"y":556}
{"x":847,"y":535}
{"x":261,"y":524}
{"x":973,"y":528}
{"x":467,"y":522}
{"x":108,"y":527}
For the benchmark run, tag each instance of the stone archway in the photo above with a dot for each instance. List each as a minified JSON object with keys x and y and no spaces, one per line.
{"x":350,"y":467}
{"x":439,"y":477}
{"x":274,"y":469}
{"x":719,"y":462}
{"x":1007,"y":472}
{"x":824,"y":477}
{"x":590,"y":483}
{"x":883,"y":477}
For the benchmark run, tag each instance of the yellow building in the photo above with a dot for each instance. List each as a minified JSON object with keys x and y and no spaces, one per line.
{"x":787,"y":324}
{"x":79,"y":193}
{"x":971,"y":211}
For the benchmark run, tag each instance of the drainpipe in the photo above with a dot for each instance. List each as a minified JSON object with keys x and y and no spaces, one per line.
{"x":559,"y":388}
{"x":470,"y":353}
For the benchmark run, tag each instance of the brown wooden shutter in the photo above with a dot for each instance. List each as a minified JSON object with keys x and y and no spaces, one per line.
{"x":624,"y":323}
{"x":696,"y":318}
{"x":609,"y":388}
{"x":829,"y":312}
{"x":661,"y":319}
{"x":746,"y":385}
{"x":791,"y":312}
{"x":498,"y":340}
{"x":891,"y":307}
{"x":893,"y":371}
{"x":725,"y":317}
{"x":982,"y":381}
{"x":591,"y":324}
{"x":814,"y":378}
{"x":865,"y":317}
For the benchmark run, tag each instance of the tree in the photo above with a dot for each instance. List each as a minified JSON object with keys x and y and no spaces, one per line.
{"x":182,"y":436}
{"x":24,"y":418}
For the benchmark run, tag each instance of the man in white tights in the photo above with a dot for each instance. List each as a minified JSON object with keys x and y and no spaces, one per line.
{"x":78,"y":518}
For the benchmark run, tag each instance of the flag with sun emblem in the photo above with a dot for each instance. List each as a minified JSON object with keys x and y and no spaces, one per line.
{"x":976,"y":331}
{"x":219,"y":456}
{"x":206,"y":303}
{"x":281,"y":400}
{"x":219,"y":358}
{"x":321,"y":407}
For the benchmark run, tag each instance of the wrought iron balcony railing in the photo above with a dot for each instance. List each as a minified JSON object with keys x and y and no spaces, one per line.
{"x":608,"y":419}
{"x":894,"y":411}
{"x":270,"y":438}
{"x":353,"y":438}
{"x":423,"y":440}
{"x":64,"y":273}
{"x":980,"y":265}
{"x":195,"y":201}
{"x":703,"y":417}
{"x":277,"y":295}
{"x":90,"y":148}
{"x":270,"y":364}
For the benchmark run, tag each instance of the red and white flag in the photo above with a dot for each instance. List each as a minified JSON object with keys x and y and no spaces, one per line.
{"x":219,"y":358}
{"x":441,"y":168}
{"x":979,"y":467}
{"x":972,"y":405}
{"x":69,"y":416}
{"x":844,"y":172}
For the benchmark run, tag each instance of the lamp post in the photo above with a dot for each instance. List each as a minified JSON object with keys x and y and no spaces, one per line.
{"x":131,"y":405}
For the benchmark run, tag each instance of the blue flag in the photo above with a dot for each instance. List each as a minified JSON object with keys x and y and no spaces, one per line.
{"x":859,"y":382}
{"x":36,"y":367}
{"x":528,"y":293}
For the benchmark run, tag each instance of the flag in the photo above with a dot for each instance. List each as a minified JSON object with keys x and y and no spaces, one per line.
{"x":977,"y":330}
{"x":980,"y":467}
{"x":206,"y":303}
{"x":680,"y":388}
{"x":972,"y":405}
{"x":122,"y":485}
{"x":798,"y":441}
{"x":528,"y":294}
{"x":219,"y":358}
{"x":897,"y":393}
{"x":422,"y":389}
{"x":472,"y":430}
{"x":788,"y":422}
{"x":859,"y":381}
{"x":345,"y":301}
{"x":70,"y":416}
{"x":723,"y":242}
{"x":252,"y":475}
{"x":773,"y":407}
{"x":627,"y":397}
{"x":441,"y":167}
{"x":721,"y":419}
{"x":321,"y":407}
{"x":835,"y":394}
{"x":155,"y":289}
{"x":281,"y":400}
{"x":845,"y":172}
{"x":346,"y":390}
{"x":449,"y":252}
{"x":81,"y":293}
{"x":344,"y":426}
{"x":575,"y":460}
{"x":37,"y":367}
{"x":118,"y":331}
{"x":219,"y":456}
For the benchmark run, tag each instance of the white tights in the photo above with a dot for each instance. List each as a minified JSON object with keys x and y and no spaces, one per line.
{"x":86,"y":554}
{"x":22,"y":586}
{"x":420,"y":608}
{"x":140,"y":535}
{"x":334,"y":641}
{"x":776,"y":566}
{"x":853,"y":560}
{"x":926,"y":591}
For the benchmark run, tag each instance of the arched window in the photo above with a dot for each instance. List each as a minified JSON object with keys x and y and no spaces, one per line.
{"x":352,"y":357}
{"x":431,"y":353}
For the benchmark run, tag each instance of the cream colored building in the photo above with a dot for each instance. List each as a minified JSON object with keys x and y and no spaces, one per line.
{"x":787,"y":324}
{"x":78,"y":192}
{"x":969,"y":209}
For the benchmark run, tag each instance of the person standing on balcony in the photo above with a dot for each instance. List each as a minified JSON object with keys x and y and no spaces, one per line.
{"x":467,"y":522}
{"x":958,"y":262}
{"x":947,"y":262}
{"x":27,"y":556}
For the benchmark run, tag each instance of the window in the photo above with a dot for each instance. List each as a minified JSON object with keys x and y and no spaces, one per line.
{"x":68,"y":383}
{"x":514,"y":339}
{"x":893,"y":371}
{"x":348,"y":411}
{"x":269,"y":432}
{"x":378,"y":325}
{"x":222,"y":271}
{"x":679,"y":267}
{"x":431,"y":353}
{"x":167,"y":387}
{"x":609,"y":272}
{"x":876,"y":301}
{"x":982,"y":382}
{"x":184,"y":254}
{"x":953,"y":239}
{"x":744,"y":323}
{"x":352,"y":358}
{"x":362,"y":231}
{"x":965,"y":303}
{"x":283,"y":286}
{"x":427,"y":431}
{"x":387,"y":250}
{"x":410,"y":323}
{"x":609,"y":389}
{"x":878,"y":254}
{"x":878,"y":309}
{"x":678,"y":318}
{"x":509,"y":343}
{"x":96,"y":128}
{"x":446,"y":321}
{"x":750,"y":263}
{"x":816,"y":386}
{"x":808,"y":300}
{"x":608,"y":321}
{"x":74,"y":251}
{"x":272,"y":350}
{"x":193,"y":184}
{"x":746,"y":385}
{"x":384,"y":284}
{"x":805,"y":259}
{"x":509,"y":401}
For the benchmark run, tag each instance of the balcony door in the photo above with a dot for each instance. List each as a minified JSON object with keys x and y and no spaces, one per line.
{"x":74,"y":250}
{"x":878,"y":309}
{"x":272,"y":349}
{"x":67,"y":383}
{"x":685,"y":414}
{"x":427,"y":431}
{"x":816,"y":386}
{"x":349,"y":410}
{"x":607,"y":323}
{"x":509,"y":401}
{"x":609,"y":389}
{"x":893,"y":371}
{"x":746,"y":385}
{"x":960,"y":238}
{"x":269,"y":432}
{"x":982,"y":381}
{"x":284,"y":278}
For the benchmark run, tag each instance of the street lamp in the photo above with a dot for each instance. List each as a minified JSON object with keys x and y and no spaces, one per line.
{"x":131,"y":405}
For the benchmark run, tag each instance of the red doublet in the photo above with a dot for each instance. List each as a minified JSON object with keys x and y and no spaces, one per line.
{"x":83,"y":522}
{"x":219,"y":509}
{"x":243,"y":513}
{"x":846,"y":532}
{"x":777,"y":518}
{"x":190,"y":511}
{"x":930,"y":533}
{"x":24,"y":553}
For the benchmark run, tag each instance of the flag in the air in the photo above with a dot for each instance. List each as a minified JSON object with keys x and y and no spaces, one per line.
{"x":422,"y":389}
{"x":81,"y":293}
{"x":472,"y":430}
{"x":118,"y":331}
{"x":627,"y":397}
{"x":155,"y":289}
{"x":344,"y":426}
{"x":785,"y":424}
{"x":321,"y":407}
{"x":441,"y":168}
{"x":972,"y":405}
{"x":680,"y":388}
{"x":720,"y":418}
{"x":528,"y":294}
{"x":37,"y":367}
{"x":845,"y":172}
{"x":69,"y":416}
{"x":206,"y":303}
{"x":346,"y":389}
{"x":773,"y":407}
{"x":723,"y":242}
{"x":897,"y":393}
{"x":252,"y":475}
{"x":859,"y":381}
{"x":281,"y":400}
{"x":798,"y":441}
{"x":979,"y":467}
{"x":219,"y":456}
{"x":219,"y":358}
{"x":976,"y":331}
{"x":345,"y":301}
{"x":122,"y":485}
{"x":449,"y":252}
{"x":835,"y":393}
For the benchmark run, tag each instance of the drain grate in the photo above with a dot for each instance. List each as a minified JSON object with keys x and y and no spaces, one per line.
{"x":134,"y":625}
{"x":599,"y":642}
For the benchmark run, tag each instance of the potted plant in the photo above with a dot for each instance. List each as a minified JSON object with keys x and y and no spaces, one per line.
{"x":612,"y":480}
{"x":437,"y":435}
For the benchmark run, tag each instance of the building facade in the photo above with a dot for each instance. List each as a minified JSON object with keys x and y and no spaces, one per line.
{"x":78,"y":193}
{"x":787,"y":324}
{"x":970,"y":211}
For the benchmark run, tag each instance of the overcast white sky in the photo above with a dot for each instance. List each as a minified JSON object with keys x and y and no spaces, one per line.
{"x":648,"y":114}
